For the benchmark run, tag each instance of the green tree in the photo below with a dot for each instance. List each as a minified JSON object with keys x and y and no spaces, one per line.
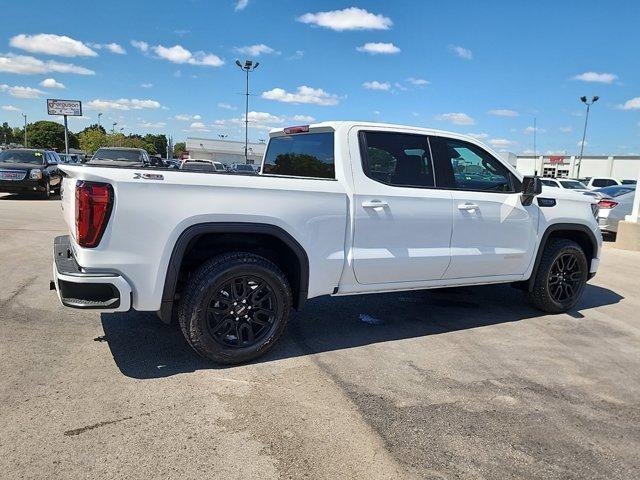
{"x":95,"y":126}
{"x":178,"y":148}
{"x":92,"y":139}
{"x":46,"y":134}
{"x":6,"y":133}
{"x":159,"y":143}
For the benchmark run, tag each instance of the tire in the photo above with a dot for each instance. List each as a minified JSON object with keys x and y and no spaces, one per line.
{"x":557,"y":287}
{"x":46,"y":195}
{"x":218,"y":324}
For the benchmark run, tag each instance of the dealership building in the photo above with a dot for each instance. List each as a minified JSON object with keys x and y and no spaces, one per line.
{"x":620,"y":167}
{"x":224,"y":151}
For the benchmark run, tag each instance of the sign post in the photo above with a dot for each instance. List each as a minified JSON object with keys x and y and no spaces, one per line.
{"x":65,"y":108}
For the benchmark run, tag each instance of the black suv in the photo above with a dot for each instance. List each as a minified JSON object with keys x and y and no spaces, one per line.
{"x":24,"y":170}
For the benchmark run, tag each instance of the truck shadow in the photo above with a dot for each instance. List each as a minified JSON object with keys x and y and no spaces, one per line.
{"x":145,"y":348}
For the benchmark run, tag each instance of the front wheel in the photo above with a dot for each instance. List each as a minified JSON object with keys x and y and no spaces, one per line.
{"x":561,"y":276}
{"x":234,"y":308}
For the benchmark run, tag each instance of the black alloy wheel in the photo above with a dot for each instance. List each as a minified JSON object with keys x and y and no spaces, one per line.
{"x":565,"y":277}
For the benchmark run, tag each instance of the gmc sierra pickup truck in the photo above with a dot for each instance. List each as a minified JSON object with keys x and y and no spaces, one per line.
{"x":339,"y":208}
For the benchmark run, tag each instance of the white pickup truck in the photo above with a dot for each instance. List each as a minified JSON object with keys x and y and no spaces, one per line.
{"x":339,"y":208}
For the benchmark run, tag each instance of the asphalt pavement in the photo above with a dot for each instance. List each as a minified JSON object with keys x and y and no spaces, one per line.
{"x":455,"y":383}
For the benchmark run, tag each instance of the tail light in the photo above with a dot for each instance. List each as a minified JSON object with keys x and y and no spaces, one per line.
{"x":93,"y":208}
{"x":607,"y":203}
{"x":297,"y":129}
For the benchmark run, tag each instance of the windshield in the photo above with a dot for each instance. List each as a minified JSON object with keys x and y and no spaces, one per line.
{"x":246,"y":168}
{"x":616,"y":191}
{"x":117,"y":155}
{"x":202,"y":166}
{"x":573,"y":185}
{"x":22,"y":156}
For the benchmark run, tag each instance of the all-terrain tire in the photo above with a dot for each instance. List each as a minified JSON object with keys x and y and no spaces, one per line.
{"x":542,"y":295}
{"x":207,"y":282}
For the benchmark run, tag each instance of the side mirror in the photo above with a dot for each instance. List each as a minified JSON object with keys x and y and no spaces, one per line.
{"x":531,"y":186}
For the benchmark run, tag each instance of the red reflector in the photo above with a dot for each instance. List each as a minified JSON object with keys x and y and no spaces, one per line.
{"x":93,"y":208}
{"x":298,"y":129}
{"x":607,"y":203}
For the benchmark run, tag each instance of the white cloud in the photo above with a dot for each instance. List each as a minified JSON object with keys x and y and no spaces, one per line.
{"x":241,"y":5}
{"x":529,"y":130}
{"x":51,"y":45}
{"x":304,"y":94}
{"x":400,"y":86}
{"x":456,"y":118}
{"x":10,"y":108}
{"x":199,"y":126}
{"x":140,"y":45}
{"x":51,"y":83}
{"x":303,"y":118}
{"x":256,"y":50}
{"x":257,"y":120}
{"x":579,"y":144}
{"x":501,"y":142}
{"x":122,"y":104}
{"x":179,"y":54}
{"x":226,"y":106}
{"x":112,"y":47}
{"x":503,"y":112}
{"x":375,"y":85}
{"x":21,"y":92}
{"x":633,"y":104}
{"x":297,"y":55}
{"x":146,"y":85}
{"x":596,"y":77}
{"x":152,"y":125}
{"x":347,"y":19}
{"x":566,"y":129}
{"x":420,"y":82}
{"x":461,"y":52}
{"x":374,"y":48}
{"x":184,"y":117}
{"x":28,"y":65}
{"x":478,"y":136}
{"x":376,"y":112}
{"x":555,"y":152}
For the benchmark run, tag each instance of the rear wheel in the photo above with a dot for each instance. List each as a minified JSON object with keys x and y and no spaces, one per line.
{"x":235,"y":307}
{"x":561,"y":276}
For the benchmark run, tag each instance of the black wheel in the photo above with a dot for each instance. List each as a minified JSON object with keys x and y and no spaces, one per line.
{"x":47,"y":191}
{"x":235,"y":307}
{"x":561,"y":276}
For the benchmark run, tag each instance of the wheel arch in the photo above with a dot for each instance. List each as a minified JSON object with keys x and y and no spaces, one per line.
{"x":581,"y":234}
{"x":298,"y":274}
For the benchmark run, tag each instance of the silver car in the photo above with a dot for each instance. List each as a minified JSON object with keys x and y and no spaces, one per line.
{"x":612,"y":208}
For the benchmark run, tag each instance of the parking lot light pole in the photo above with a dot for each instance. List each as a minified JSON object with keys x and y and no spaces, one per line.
{"x":248,"y":66}
{"x":99,"y":115}
{"x":25,"y":129}
{"x":584,"y":100}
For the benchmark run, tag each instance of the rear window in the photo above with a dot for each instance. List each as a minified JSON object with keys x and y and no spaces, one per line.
{"x":306,"y":155}
{"x":603,"y":182}
{"x":118,"y":155}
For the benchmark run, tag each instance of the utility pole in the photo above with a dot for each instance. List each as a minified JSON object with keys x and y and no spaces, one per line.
{"x":25,"y":129}
{"x":99,"y":115}
{"x":583,"y":99}
{"x":66,"y":136}
{"x":248,"y":66}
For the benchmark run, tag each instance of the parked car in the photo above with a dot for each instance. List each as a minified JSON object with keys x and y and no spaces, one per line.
{"x":614,"y":207}
{"x":199,"y":165}
{"x":600,"y":193}
{"x":600,"y":182}
{"x":564,"y":183}
{"x":29,"y":171}
{"x":339,"y":208}
{"x":121,"y":157}
{"x":242,"y":168}
{"x":628,"y":182}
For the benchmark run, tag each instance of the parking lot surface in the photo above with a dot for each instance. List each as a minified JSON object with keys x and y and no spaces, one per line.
{"x":468,"y":382}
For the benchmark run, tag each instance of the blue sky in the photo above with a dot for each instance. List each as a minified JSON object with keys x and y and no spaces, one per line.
{"x":486,"y":68}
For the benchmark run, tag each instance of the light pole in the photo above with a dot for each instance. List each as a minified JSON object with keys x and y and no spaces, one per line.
{"x":248,"y":66}
{"x":99,"y":115}
{"x":584,"y":100}
{"x":113,"y":128}
{"x":25,"y":129}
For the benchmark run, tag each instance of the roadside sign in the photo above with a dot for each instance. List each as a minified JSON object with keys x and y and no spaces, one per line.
{"x":72,"y":108}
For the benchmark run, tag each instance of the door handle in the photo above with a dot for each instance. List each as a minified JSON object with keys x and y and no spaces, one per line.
{"x":468,"y":206}
{"x":377,"y":205}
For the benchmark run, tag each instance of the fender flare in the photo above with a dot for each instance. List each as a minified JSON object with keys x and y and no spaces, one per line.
{"x":558,"y":227}
{"x":190,"y":233}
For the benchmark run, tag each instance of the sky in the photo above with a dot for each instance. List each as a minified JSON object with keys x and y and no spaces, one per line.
{"x":481,"y":68}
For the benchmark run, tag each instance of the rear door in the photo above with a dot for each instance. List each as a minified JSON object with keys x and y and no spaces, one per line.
{"x":493,"y":233}
{"x":402,"y":223}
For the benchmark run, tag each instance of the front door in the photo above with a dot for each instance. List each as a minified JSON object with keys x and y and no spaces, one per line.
{"x":493,"y":233}
{"x":402,"y":223}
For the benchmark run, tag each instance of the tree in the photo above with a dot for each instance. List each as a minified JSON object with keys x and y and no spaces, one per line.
{"x":95,"y":126}
{"x":46,"y":134}
{"x":6,"y":134}
{"x":159,"y":143}
{"x":178,"y":148}
{"x":92,"y":139}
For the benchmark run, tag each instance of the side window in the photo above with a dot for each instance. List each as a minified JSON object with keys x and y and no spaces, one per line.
{"x":603,"y":182}
{"x":398,"y":159}
{"x":53,"y":158}
{"x":302,"y":155}
{"x":464,"y":166}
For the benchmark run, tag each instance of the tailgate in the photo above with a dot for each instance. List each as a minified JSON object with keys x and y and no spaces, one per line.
{"x":68,"y":198}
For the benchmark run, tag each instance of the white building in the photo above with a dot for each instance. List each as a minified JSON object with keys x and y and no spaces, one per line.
{"x":620,"y":167}
{"x":225,"y":151}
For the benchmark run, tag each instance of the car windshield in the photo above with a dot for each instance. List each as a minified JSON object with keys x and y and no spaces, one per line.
{"x":116,"y":154}
{"x":22,"y":156}
{"x":202,"y":166}
{"x":616,"y":190}
{"x":573,"y":185}
{"x":246,"y":168}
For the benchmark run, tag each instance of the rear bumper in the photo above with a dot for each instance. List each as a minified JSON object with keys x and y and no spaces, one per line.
{"x":78,"y":288}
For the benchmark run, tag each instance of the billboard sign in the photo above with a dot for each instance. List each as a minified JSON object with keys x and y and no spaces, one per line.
{"x":71,"y":108}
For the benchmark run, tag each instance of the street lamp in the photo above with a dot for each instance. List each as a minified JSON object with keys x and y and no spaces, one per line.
{"x":584,"y":100}
{"x":113,"y":128}
{"x":99,"y":115}
{"x":248,"y":66}
{"x":25,"y":129}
